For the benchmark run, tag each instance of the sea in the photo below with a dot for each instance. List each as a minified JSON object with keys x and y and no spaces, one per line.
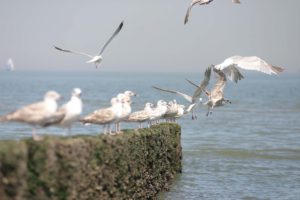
{"x":249,"y":149}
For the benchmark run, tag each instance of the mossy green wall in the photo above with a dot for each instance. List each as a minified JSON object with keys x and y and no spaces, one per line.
{"x":134,"y":165}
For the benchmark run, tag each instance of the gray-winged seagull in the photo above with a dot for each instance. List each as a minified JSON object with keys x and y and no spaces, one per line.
{"x":97,"y":58}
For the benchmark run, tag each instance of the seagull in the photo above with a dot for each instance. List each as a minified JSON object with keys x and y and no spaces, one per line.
{"x":230,"y":66}
{"x":104,"y":116}
{"x":141,"y":116}
{"x":158,"y":112}
{"x":38,"y":114}
{"x":72,"y":110}
{"x":125,"y":99}
{"x":201,"y":2}
{"x":97,"y":58}
{"x":195,"y":99}
{"x":216,"y":96}
{"x":172,"y":110}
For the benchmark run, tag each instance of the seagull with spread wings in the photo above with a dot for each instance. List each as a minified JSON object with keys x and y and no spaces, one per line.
{"x":230,"y":66}
{"x":216,"y":95}
{"x":97,"y":58}
{"x":229,"y":69}
{"x":195,"y":99}
{"x":200,"y":2}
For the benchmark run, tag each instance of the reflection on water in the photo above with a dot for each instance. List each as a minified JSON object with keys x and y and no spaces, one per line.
{"x":247,"y":150}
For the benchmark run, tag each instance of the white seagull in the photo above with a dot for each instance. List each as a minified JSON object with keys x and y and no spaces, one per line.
{"x":195,"y":99}
{"x":125,"y":99}
{"x":201,"y":2}
{"x":97,"y":58}
{"x":230,"y":66}
{"x":38,"y":114}
{"x":72,"y":110}
{"x":158,"y":112}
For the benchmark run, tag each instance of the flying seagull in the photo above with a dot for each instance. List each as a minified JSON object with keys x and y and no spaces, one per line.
{"x":97,"y":58}
{"x":230,"y":66}
{"x":216,"y":96}
{"x":200,"y":2}
{"x":195,"y":99}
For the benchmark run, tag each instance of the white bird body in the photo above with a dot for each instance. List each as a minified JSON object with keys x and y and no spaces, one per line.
{"x":72,"y":109}
{"x":125,"y":99}
{"x":172,"y":111}
{"x":97,"y":58}
{"x":159,"y":110}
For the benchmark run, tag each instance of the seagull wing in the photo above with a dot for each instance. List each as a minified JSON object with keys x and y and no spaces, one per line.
{"x":194,"y":2}
{"x":75,"y":52}
{"x":220,"y":84}
{"x":229,"y":66}
{"x":185,"y":96}
{"x":112,"y":37}
{"x":203,"y":84}
{"x":55,"y":118}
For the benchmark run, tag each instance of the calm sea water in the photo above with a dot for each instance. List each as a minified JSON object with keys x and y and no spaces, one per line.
{"x":247,"y":150}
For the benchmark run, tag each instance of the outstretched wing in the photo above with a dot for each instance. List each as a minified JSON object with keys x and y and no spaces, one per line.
{"x":220,"y":84}
{"x":112,"y":37}
{"x":185,"y":96}
{"x":229,"y":66}
{"x":203,"y":84}
{"x":75,"y":52}
{"x":194,"y":2}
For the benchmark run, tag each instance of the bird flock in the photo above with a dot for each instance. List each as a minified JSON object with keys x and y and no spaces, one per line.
{"x":47,"y":112}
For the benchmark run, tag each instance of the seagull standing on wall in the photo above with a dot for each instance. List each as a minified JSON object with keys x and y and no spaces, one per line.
{"x":38,"y":114}
{"x":200,"y":2}
{"x":72,"y":110}
{"x":98,"y":58}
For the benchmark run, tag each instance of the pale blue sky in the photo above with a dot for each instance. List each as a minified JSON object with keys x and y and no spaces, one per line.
{"x":153,"y":37}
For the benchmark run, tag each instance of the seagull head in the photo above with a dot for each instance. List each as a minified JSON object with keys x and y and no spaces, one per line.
{"x":129,"y":93}
{"x":76,"y":92}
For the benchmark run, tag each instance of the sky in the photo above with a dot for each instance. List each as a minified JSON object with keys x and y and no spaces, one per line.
{"x":153,"y":38}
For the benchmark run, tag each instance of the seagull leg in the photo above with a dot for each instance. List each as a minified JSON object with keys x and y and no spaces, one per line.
{"x":208,"y":112}
{"x":109,"y":129}
{"x":104,"y":129}
{"x":35,"y":136}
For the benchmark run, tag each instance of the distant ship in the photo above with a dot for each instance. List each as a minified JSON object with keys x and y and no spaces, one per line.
{"x":10,"y":66}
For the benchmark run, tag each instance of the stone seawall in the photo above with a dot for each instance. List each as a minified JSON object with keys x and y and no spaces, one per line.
{"x":137,"y":164}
